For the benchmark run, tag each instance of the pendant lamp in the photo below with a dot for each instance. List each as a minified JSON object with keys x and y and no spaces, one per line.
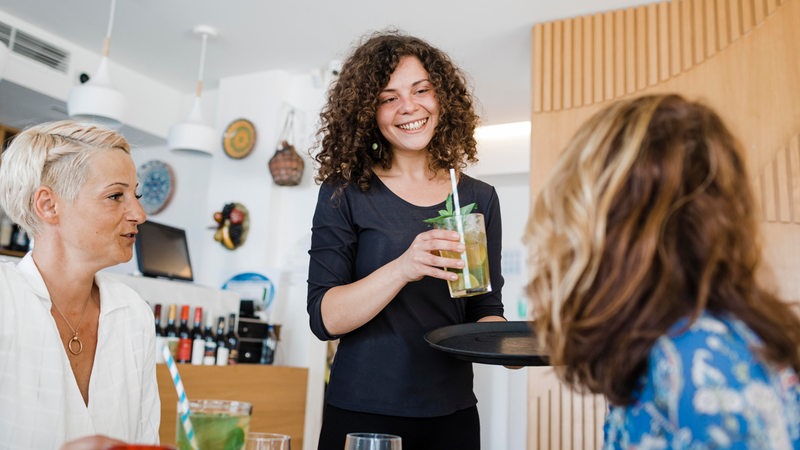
{"x":97,"y":100}
{"x":193,"y":135}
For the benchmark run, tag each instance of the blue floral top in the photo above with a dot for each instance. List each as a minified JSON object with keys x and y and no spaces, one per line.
{"x":705,"y":389}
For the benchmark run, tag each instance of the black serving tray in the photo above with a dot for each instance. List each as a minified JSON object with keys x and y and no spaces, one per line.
{"x":502,"y":343}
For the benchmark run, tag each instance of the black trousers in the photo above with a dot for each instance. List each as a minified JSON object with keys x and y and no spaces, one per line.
{"x":457,"y":431}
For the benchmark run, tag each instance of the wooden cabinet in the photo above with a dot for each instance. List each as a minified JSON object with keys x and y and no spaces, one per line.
{"x":6,"y":133}
{"x":278,"y":395}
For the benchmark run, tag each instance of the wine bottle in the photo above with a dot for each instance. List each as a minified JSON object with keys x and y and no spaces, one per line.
{"x":171,"y":331}
{"x":184,"y":339}
{"x":270,"y":345}
{"x":232,"y":340}
{"x":222,"y":349}
{"x":157,"y":317}
{"x":198,"y":343}
{"x":210,"y":355}
{"x":19,"y":239}
{"x":159,"y":332}
{"x":6,"y":227}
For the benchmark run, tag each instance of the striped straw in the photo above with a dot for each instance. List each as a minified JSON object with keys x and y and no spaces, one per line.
{"x":183,"y":402}
{"x":460,"y":227}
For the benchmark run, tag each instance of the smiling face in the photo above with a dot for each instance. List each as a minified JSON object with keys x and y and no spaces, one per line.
{"x":100,"y":224}
{"x":408,"y":110}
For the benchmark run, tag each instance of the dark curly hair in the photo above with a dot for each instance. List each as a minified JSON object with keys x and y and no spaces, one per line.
{"x":348,"y":121}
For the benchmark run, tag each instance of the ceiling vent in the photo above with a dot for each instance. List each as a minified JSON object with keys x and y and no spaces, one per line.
{"x":31,"y":47}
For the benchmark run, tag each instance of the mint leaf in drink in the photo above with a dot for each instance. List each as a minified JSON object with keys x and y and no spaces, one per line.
{"x":448,"y":212}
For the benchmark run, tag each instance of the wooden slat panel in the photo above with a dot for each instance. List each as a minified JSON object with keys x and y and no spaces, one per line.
{"x":723,"y":23}
{"x":578,"y":61}
{"x":711,"y":20}
{"x":783,"y":188}
{"x":623,"y":66}
{"x":537,"y":66}
{"x":735,"y":11}
{"x":675,"y":40}
{"x":598,"y":57}
{"x":608,"y":56}
{"x":565,"y":418}
{"x":588,"y":60}
{"x":663,"y":41}
{"x":794,"y":177}
{"x":630,"y":50}
{"x":641,"y":47}
{"x":771,"y":6}
{"x":652,"y":44}
{"x":698,"y":26}
{"x":567,"y":71}
{"x":558,"y":64}
{"x":687,"y":35}
{"x":554,"y":397}
{"x":547,"y":67}
{"x":748,"y":16}
{"x":758,"y":194}
{"x":769,"y":193}
{"x":759,"y":11}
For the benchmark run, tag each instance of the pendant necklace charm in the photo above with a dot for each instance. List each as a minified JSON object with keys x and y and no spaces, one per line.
{"x":78,"y":344}
{"x":74,"y":344}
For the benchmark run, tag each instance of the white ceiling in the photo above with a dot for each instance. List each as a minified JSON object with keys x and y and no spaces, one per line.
{"x":489,"y":39}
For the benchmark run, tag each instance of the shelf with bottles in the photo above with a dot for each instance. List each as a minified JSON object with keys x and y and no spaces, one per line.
{"x":203,"y":344}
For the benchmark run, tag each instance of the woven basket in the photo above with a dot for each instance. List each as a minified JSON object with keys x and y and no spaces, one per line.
{"x":286,"y":166}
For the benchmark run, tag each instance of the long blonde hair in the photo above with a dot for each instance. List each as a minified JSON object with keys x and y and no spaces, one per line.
{"x":647,"y":218}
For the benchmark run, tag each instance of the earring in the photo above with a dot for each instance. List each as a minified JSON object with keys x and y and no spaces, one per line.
{"x":376,"y":147}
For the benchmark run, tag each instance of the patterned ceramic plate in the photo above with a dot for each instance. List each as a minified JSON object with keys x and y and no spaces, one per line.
{"x":239,"y":138}
{"x":156,"y":182}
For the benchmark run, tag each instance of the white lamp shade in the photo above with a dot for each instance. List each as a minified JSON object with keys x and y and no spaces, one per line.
{"x":97,"y":101}
{"x":193,"y":137}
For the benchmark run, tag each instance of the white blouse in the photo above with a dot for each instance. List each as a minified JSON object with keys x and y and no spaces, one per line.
{"x":41,"y":406}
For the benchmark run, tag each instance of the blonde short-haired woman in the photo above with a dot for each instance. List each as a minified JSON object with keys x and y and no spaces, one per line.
{"x":77,"y":351}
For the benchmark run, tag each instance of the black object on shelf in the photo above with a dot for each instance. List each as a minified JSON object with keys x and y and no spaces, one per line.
{"x":502,"y":343}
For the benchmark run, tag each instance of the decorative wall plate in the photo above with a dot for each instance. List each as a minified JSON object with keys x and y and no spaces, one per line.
{"x":239,"y":138}
{"x":156,"y":183}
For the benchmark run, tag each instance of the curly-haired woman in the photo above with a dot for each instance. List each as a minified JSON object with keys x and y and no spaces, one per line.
{"x":397,"y":119}
{"x":645,"y":256}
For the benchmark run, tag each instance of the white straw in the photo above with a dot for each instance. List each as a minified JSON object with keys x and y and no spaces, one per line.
{"x":460,"y":227}
{"x":183,"y":402}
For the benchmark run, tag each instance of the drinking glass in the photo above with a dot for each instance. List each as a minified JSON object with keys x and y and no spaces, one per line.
{"x":140,"y":447}
{"x":267,"y":441}
{"x":217,"y":424}
{"x":474,"y":278}
{"x":372,"y":441}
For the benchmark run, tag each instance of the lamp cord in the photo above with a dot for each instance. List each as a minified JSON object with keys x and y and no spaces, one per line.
{"x":107,"y":40}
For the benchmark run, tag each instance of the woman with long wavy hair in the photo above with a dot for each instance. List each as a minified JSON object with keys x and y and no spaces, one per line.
{"x":645,"y":257}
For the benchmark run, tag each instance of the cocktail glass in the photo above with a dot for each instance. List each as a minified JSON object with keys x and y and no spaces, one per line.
{"x":474,"y":278}
{"x":217,"y":424}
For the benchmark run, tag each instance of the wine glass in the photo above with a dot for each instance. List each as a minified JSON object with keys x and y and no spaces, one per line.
{"x":267,"y":441}
{"x":372,"y":441}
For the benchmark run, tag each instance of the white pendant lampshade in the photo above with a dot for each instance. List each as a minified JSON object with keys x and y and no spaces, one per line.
{"x":97,"y":100}
{"x":193,"y":135}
